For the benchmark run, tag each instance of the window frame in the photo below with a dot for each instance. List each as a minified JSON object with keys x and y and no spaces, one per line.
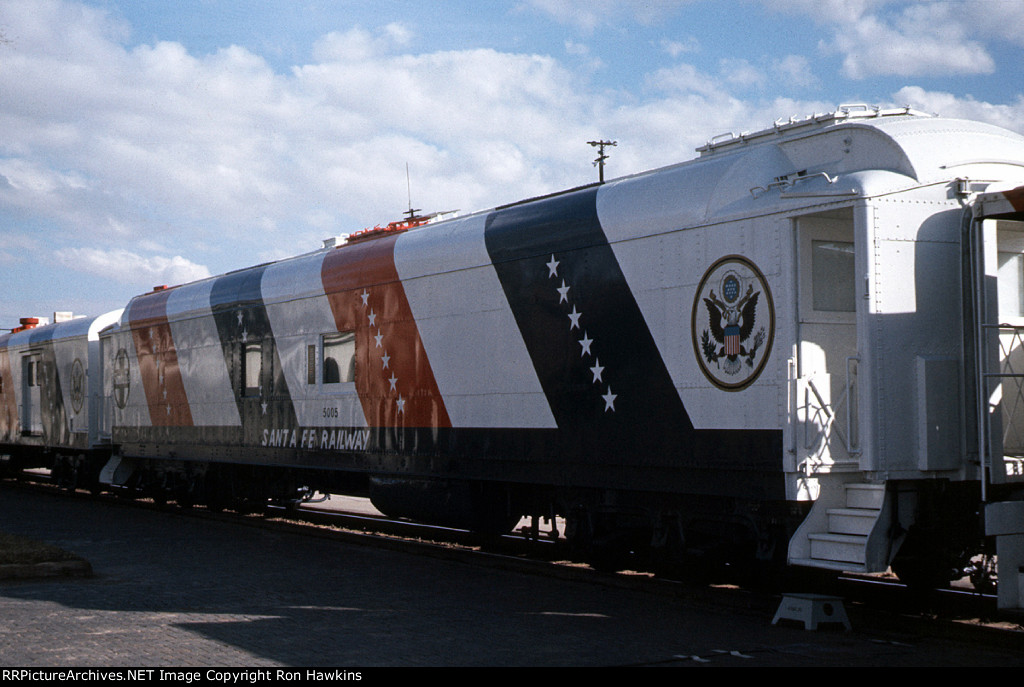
{"x":346,"y":342}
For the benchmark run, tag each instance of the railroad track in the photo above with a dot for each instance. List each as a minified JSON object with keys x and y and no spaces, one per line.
{"x":355,"y":521}
{"x":342,"y":516}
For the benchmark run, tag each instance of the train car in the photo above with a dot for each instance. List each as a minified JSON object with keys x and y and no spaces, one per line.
{"x":801,"y":347}
{"x":51,"y":402}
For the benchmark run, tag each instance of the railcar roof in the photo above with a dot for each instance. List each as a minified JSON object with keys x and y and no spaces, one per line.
{"x":819,"y":160}
{"x":80,"y":326}
{"x":918,"y":145}
{"x":798,"y":163}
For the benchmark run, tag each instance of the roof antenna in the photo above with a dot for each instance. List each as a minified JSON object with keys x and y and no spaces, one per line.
{"x":408,"y":184}
{"x":601,"y":157}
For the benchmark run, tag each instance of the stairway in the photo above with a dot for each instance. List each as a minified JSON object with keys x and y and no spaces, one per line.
{"x":844,"y":530}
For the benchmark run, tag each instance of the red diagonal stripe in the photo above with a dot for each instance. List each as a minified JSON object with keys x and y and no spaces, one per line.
{"x":158,"y":361}
{"x":349,"y":271}
{"x":1016,"y":198}
{"x":8,"y":401}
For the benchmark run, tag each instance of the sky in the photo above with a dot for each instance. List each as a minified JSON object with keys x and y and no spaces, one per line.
{"x":145,"y":142}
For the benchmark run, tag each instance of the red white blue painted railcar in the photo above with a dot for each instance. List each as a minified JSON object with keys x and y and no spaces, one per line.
{"x":456,"y":364}
{"x":686,"y":358}
{"x":788,"y":347}
{"x":51,"y":405}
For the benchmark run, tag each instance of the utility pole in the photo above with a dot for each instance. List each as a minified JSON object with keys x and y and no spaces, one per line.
{"x":601,"y":157}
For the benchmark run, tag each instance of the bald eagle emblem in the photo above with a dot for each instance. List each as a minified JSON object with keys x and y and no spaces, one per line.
{"x":734,"y":314}
{"x":77,"y":385}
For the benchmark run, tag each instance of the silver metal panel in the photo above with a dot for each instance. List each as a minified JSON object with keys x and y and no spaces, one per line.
{"x":197,"y":344}
{"x":652,"y":203}
{"x":133,"y":411}
{"x":66,"y":351}
{"x":938,"y":413}
{"x":480,"y":362}
{"x":913,"y":311}
{"x":663,"y":273}
{"x":300,"y":314}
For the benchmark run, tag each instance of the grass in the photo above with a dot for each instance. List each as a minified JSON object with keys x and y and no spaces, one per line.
{"x":16,"y":550}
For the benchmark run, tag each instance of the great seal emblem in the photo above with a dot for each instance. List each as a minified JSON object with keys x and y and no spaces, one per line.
{"x":77,"y":386}
{"x":732,"y":323}
{"x":122,"y":379}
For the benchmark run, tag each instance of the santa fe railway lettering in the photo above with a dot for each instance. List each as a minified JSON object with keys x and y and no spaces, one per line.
{"x":316,"y":438}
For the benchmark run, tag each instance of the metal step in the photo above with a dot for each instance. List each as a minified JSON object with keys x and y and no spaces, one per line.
{"x":862,"y":495}
{"x":844,"y":526}
{"x":858,"y":521}
{"x":845,"y":548}
{"x":838,"y":566}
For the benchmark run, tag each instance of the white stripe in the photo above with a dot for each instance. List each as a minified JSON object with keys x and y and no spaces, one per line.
{"x":477,"y":354}
{"x":204,"y":374}
{"x":299,"y":314}
{"x":663,"y":272}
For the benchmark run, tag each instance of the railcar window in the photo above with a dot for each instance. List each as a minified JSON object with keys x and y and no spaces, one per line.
{"x":252,"y":363}
{"x":1011,"y":285}
{"x":310,"y":364}
{"x":1010,"y":277}
{"x":339,"y":363}
{"x":833,"y":276}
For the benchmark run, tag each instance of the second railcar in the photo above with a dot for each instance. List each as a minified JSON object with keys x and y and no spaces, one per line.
{"x":51,"y":403}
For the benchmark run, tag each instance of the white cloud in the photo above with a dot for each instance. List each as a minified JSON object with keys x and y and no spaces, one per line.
{"x":1009,"y":116}
{"x":915,"y":38}
{"x":829,"y":11}
{"x":225,"y":159}
{"x":740,"y":72}
{"x":1004,"y":20}
{"x":682,"y":78}
{"x":587,"y":16}
{"x":398,"y":33}
{"x":574,"y":48}
{"x":923,"y":40}
{"x":795,"y":70}
{"x":442,"y":106}
{"x":349,"y":46}
{"x":677,"y":47}
{"x":225,"y":136}
{"x":17,"y":247}
{"x":109,"y":145}
{"x":126,"y":267}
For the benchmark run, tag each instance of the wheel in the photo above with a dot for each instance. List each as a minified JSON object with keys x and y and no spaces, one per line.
{"x":924,"y":570}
